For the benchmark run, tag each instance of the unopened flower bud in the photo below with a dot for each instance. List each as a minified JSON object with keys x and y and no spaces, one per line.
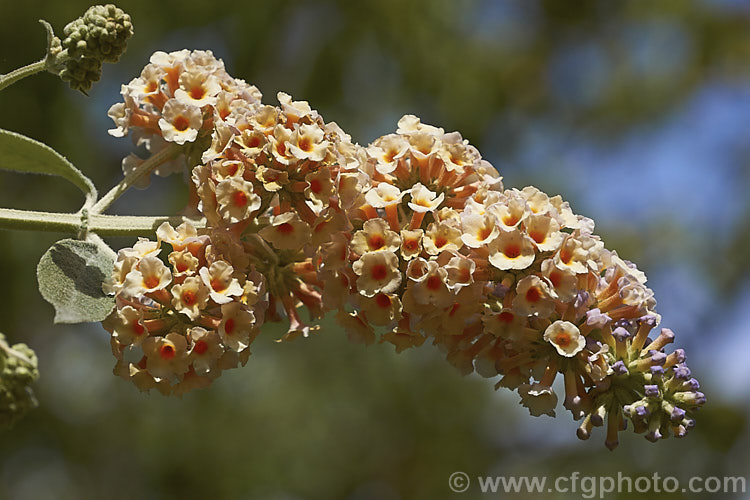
{"x":99,"y":36}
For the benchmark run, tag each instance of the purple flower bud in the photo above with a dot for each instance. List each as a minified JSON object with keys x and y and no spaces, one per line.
{"x":641,"y":411}
{"x":656,"y":370}
{"x":649,"y":319}
{"x":595,"y":318}
{"x":689,"y":423}
{"x":667,"y":334}
{"x":657,"y":357}
{"x":621,"y":334}
{"x":681,"y":371}
{"x":619,"y":368}
{"x":653,"y":436}
{"x":700,"y":398}
{"x":581,"y":299}
{"x":692,"y":384}
{"x":680,"y":353}
{"x":677,"y":415}
{"x":652,"y":391}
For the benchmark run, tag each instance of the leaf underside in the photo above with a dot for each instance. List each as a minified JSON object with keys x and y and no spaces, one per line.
{"x":70,"y":276}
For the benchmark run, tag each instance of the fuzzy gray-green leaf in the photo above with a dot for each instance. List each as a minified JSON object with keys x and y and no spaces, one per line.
{"x":19,"y":153}
{"x":70,"y":276}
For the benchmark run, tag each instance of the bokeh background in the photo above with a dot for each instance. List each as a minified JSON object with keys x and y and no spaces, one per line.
{"x":637,"y":112}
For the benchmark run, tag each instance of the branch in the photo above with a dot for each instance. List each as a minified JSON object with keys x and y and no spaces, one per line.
{"x":104,"y":225}
{"x":20,"y":73}
{"x":144,"y":168}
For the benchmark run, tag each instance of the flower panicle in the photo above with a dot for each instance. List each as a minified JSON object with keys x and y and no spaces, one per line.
{"x":410,"y":239}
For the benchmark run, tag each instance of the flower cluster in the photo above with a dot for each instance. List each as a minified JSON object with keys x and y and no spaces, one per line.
{"x":177,"y":326}
{"x":284,"y":178}
{"x":178,"y":98}
{"x":411,"y":238}
{"x":18,"y":370}
{"x":402,"y":267}
{"x":557,"y":302}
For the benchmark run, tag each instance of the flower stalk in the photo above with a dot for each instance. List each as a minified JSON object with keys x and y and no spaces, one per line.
{"x":21,"y":73}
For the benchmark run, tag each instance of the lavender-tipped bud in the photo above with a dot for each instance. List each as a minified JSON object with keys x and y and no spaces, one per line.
{"x":652,"y":391}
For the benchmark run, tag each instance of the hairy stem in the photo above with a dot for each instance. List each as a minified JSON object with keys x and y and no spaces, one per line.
{"x":104,"y":225}
{"x":144,"y":168}
{"x":20,"y":73}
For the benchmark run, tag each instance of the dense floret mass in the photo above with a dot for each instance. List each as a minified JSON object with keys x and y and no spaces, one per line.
{"x":412,"y":238}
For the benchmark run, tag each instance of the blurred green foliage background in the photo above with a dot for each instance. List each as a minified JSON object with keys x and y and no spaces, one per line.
{"x":637,"y":112}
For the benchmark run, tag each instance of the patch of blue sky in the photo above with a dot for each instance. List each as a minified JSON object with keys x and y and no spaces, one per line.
{"x":723,"y":351}
{"x":684,"y":169}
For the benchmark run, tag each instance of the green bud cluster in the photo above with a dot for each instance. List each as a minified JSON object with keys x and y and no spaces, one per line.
{"x":99,"y":36}
{"x":18,"y":369}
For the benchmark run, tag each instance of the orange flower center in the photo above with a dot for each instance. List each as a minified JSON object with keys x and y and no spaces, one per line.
{"x":200,"y":347}
{"x":512,"y":251}
{"x":533,"y":295}
{"x":563,"y":339}
{"x":197,"y":93}
{"x":188,"y":297}
{"x":232,"y":169}
{"x":285,"y":228}
{"x":181,"y":123}
{"x":434,"y":282}
{"x":218,"y":285}
{"x":305,"y":144}
{"x":240,"y":199}
{"x":379,"y":272}
{"x":538,"y":236}
{"x":167,"y":351}
{"x":151,"y":281}
{"x":315,"y":186}
{"x":511,"y":220}
{"x":505,"y":317}
{"x":376,"y":242}
{"x":229,"y":326}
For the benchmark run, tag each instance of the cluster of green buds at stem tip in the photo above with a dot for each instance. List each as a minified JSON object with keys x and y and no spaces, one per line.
{"x":99,"y":36}
{"x":18,"y":369}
